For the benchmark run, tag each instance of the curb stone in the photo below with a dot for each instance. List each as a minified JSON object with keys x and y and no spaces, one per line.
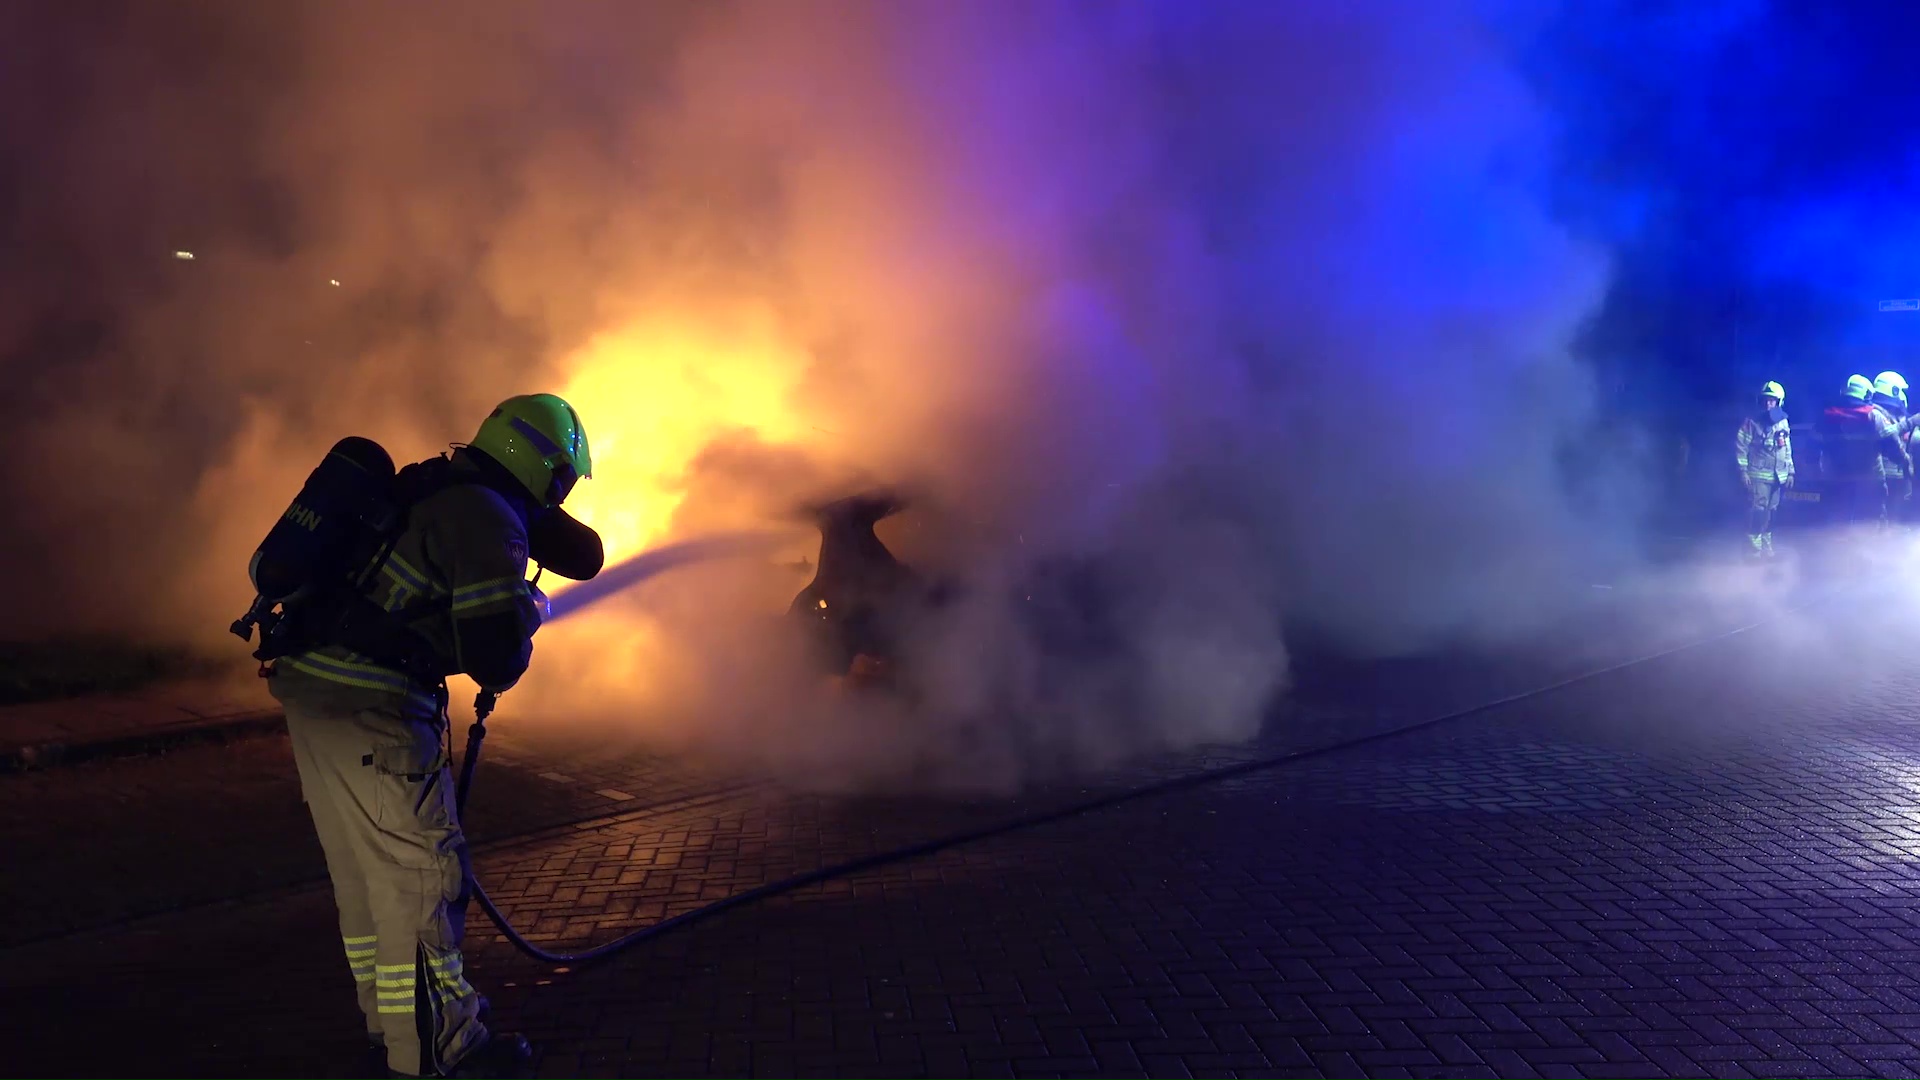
{"x":57,"y":753}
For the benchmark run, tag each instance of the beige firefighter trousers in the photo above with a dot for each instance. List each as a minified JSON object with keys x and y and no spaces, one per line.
{"x":382,"y":801}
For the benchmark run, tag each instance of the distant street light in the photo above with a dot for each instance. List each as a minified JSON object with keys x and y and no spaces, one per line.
{"x":335,"y":282}
{"x":183,"y":256}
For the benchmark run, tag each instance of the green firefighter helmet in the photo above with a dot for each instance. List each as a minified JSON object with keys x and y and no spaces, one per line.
{"x":1774,"y":390}
{"x":1859,"y":387}
{"x":540,"y":440}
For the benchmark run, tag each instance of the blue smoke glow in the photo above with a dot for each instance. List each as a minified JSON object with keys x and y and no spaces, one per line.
{"x":1751,"y":163}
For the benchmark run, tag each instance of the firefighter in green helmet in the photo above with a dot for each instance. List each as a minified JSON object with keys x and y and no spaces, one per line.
{"x":1763,"y":450}
{"x":366,"y":726}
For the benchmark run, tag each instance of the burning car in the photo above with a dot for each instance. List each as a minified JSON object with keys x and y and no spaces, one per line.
{"x":864,"y":602}
{"x":857,"y":606}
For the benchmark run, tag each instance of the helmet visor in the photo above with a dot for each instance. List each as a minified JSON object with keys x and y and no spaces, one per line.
{"x":557,"y":460}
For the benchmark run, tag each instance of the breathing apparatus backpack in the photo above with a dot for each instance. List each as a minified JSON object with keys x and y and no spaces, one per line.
{"x":311,"y":573}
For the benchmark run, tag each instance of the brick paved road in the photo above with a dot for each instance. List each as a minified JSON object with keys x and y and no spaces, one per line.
{"x":1703,"y":865}
{"x":131,"y":810}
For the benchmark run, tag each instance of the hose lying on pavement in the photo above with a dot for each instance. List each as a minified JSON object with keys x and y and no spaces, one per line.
{"x":477,"y":734}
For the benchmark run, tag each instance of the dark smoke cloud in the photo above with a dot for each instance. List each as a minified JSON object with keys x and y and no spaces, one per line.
{"x":1258,"y":308}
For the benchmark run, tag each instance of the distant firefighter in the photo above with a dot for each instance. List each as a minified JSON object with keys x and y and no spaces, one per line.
{"x":1763,"y":449}
{"x":1894,"y":427}
{"x":1850,"y":446}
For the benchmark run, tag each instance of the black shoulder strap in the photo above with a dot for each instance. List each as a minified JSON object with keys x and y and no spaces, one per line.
{"x":412,"y":485}
{"x":415,"y":484}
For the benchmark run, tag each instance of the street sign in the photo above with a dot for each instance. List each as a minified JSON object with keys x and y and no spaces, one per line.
{"x":1900,"y":305}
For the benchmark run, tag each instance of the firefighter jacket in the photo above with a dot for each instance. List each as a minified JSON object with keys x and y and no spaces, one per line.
{"x":1850,"y":441}
{"x":457,"y":578}
{"x":1891,"y":432}
{"x":1763,"y":448}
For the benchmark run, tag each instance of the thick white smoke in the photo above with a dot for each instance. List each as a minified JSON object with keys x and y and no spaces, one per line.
{"x":1229,"y":313}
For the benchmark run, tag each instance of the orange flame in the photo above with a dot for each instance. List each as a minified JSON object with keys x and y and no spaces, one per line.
{"x":656,"y":392}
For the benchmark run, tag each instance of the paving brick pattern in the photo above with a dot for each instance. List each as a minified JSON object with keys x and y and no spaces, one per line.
{"x":1704,"y":865}
{"x":99,"y":843}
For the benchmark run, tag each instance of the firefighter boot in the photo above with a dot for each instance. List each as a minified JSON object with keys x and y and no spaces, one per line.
{"x":500,"y":1057}
{"x":1756,"y":546}
{"x":1766,"y":544}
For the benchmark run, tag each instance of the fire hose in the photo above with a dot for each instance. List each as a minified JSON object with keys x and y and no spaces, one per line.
{"x":483,"y":707}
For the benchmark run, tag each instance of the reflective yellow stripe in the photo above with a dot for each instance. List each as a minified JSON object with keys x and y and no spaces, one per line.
{"x":368,"y":940}
{"x":396,"y":1008}
{"x":397,"y":597}
{"x":350,"y":673}
{"x":409,"y":575}
{"x":488,"y":592}
{"x":473,"y":587}
{"x":365,"y":676}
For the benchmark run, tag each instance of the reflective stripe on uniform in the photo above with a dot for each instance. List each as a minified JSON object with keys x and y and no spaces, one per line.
{"x":360,"y":952}
{"x":351,"y":672}
{"x":404,"y":572}
{"x":358,"y":673}
{"x":394,"y":988}
{"x":472,"y":596}
{"x":446,"y":977}
{"x":397,"y":597}
{"x":406,"y":583}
